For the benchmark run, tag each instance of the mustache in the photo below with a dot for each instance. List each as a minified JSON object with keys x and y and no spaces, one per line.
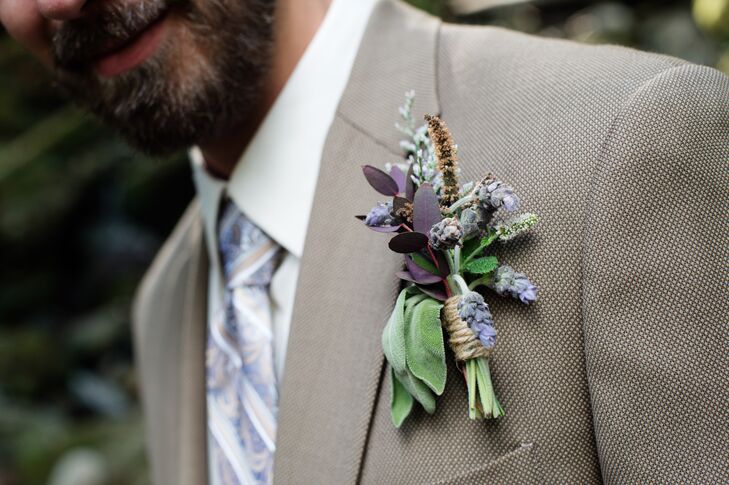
{"x":108,"y":26}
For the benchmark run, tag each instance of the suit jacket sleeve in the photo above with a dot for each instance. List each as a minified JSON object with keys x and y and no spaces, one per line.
{"x":655,"y":283}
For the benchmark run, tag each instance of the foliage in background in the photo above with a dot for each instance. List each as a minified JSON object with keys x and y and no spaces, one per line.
{"x":81,"y":216}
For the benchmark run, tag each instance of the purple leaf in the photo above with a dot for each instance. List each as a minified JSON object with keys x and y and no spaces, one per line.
{"x":379,"y":180}
{"x":436,"y":291}
{"x":385,"y":228}
{"x":408,"y":242}
{"x":426,"y":211}
{"x":426,"y":279}
{"x":442,"y":263}
{"x":399,"y":178}
{"x":419,"y":274}
{"x":407,"y":276}
{"x":409,"y":184}
{"x":404,"y":275}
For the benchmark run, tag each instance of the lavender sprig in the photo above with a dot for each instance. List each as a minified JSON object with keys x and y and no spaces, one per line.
{"x":380,"y":215}
{"x":474,"y":311}
{"x":507,"y":282}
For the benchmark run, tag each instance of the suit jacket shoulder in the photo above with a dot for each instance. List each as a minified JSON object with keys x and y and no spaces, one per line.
{"x":599,"y":141}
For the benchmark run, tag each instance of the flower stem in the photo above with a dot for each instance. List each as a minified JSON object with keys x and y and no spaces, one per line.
{"x":460,"y":284}
{"x":480,"y":281}
{"x":460,"y":203}
{"x":486,"y":390}
{"x":485,"y":242}
{"x":473,"y":408}
{"x":449,"y":258}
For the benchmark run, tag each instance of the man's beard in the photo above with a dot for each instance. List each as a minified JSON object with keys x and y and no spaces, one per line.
{"x":193,"y":88}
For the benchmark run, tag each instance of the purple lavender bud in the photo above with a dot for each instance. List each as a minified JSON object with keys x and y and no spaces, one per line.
{"x":446,"y":234}
{"x":380,"y":215}
{"x":486,"y":334}
{"x":495,"y":194}
{"x":506,"y":281}
{"x":473,"y":310}
{"x":474,"y":220}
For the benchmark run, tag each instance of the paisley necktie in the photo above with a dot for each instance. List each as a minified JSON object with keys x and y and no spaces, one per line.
{"x":241,"y":381}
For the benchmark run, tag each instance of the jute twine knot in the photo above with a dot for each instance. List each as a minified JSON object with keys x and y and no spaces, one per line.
{"x":461,"y":338}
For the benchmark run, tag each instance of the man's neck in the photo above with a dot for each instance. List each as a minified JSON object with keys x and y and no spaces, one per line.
{"x":295,"y":25}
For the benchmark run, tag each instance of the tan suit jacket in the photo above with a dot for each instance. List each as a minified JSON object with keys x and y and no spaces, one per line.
{"x":618,"y":374}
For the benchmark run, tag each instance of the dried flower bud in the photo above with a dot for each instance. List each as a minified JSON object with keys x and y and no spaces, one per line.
{"x":506,"y":281}
{"x":473,"y":310}
{"x":446,"y":234}
{"x":380,"y":215}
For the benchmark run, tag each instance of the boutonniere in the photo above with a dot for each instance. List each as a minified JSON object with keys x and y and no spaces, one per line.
{"x":444,"y":231}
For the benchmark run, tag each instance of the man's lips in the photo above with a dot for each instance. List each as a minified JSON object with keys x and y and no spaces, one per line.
{"x":133,"y":53}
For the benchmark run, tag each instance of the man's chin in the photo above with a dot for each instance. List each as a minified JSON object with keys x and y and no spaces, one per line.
{"x":153,"y":114}
{"x":160,"y":137}
{"x":191,"y":87}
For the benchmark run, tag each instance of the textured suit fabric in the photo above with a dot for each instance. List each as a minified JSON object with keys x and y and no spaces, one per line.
{"x":618,"y":373}
{"x":169,"y":338}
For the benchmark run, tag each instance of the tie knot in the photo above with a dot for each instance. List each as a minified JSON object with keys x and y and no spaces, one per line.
{"x":248,"y":256}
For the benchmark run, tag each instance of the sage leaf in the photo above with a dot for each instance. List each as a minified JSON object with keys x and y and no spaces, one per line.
{"x":393,"y":336}
{"x":424,"y":346}
{"x":418,"y":390}
{"x":401,"y":402}
{"x":393,"y":345}
{"x":482,"y":265}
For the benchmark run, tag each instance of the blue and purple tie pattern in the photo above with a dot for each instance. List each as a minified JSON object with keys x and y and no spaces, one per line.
{"x":241,"y":381}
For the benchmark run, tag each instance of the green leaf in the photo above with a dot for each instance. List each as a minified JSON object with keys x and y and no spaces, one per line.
{"x":393,"y":345}
{"x":401,"y":402}
{"x":410,"y":305}
{"x":424,"y":263}
{"x":470,"y":246}
{"x":393,"y":336}
{"x":474,"y":247}
{"x":482,"y":265}
{"x":418,"y":390}
{"x":424,"y":346}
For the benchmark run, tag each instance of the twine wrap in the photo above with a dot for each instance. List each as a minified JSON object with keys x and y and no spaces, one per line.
{"x":462,"y":340}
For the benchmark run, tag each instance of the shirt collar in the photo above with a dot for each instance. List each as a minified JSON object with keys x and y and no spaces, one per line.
{"x":275,"y":180}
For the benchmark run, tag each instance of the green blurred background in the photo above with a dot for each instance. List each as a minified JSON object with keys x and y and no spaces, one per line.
{"x":82,"y":215}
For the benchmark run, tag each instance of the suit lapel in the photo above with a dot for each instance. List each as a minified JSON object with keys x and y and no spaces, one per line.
{"x":169,"y":331}
{"x":192,"y":400}
{"x":347,"y":286}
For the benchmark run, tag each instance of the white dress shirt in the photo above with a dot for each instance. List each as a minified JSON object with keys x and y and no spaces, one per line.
{"x":273,"y":184}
